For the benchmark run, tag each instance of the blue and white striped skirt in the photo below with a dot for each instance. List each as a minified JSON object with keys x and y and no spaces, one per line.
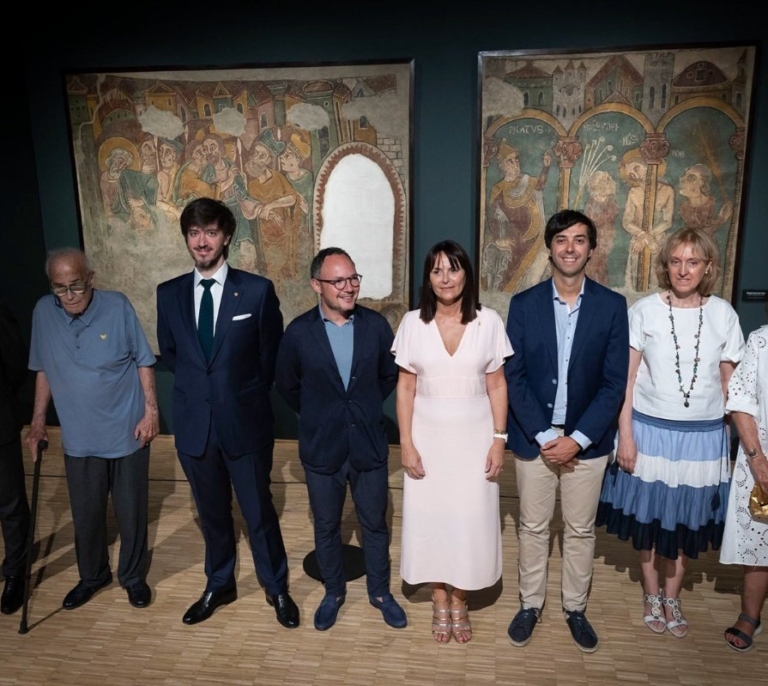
{"x":676,"y":498}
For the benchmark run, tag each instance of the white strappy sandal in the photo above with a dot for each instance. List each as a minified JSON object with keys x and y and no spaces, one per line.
{"x":678,"y":627}
{"x":655,"y":621}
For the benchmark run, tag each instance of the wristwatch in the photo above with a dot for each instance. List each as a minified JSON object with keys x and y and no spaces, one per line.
{"x":500,"y":433}
{"x":751,"y":454}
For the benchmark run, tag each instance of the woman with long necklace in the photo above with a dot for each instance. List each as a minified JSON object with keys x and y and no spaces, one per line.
{"x":668,"y":488}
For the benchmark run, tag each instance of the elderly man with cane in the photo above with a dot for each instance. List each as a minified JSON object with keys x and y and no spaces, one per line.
{"x":93,"y":360}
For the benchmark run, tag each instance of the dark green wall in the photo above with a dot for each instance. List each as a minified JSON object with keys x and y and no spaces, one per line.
{"x":443,"y":43}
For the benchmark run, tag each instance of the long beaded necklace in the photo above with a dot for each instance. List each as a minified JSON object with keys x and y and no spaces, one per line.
{"x":687,"y":395}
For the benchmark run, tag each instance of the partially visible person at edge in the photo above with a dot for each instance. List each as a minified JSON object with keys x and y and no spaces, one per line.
{"x":744,"y":538}
{"x":668,"y":488}
{"x":14,"y":507}
{"x":565,"y":381}
{"x":218,"y":329}
{"x":92,"y":359}
{"x":335,"y":370}
{"x":452,"y":414}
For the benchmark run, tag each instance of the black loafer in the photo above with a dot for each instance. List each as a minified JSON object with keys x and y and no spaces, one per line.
{"x":139,"y":594}
{"x":82,"y":593}
{"x":583,"y":634}
{"x":206,"y":606}
{"x":13,"y":595}
{"x":286,"y":610}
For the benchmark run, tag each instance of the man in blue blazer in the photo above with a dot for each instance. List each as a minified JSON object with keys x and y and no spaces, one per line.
{"x":218,"y":329}
{"x":566,"y":382}
{"x":334,"y":368}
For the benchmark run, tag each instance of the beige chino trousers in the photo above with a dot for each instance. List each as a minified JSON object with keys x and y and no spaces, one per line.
{"x":537,"y":483}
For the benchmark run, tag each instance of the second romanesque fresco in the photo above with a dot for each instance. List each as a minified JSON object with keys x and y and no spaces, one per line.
{"x":645,"y":142}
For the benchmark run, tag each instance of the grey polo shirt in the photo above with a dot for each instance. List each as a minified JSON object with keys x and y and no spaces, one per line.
{"x":91,"y":363}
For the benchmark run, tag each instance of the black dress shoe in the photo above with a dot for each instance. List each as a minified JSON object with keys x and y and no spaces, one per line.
{"x":209,"y":601}
{"x":286,"y":610}
{"x":139,"y":594}
{"x":82,"y":593}
{"x":13,"y":595}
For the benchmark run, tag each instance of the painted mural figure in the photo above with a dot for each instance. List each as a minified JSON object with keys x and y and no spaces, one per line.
{"x":229,"y":186}
{"x":603,"y":210}
{"x":188,"y":184}
{"x":148,"y":155}
{"x":296,"y":152}
{"x":128,"y":195}
{"x":270,"y":202}
{"x":170,"y":152}
{"x":697,"y":210}
{"x":633,"y":171}
{"x":515,"y":239}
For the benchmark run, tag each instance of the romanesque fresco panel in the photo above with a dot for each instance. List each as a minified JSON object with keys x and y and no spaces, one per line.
{"x":265,"y":142}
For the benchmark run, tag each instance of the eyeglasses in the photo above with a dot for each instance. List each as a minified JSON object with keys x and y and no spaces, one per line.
{"x":74,"y":289}
{"x":339,"y":284}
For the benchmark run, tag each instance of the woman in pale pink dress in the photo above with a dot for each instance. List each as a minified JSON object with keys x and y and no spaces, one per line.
{"x":452,"y":414}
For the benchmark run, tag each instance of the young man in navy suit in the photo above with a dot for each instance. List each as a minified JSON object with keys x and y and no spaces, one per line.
{"x":334,"y":368}
{"x":218,"y":329}
{"x":566,"y":382}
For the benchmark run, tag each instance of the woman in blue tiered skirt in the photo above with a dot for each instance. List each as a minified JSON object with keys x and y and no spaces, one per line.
{"x":667,"y":490}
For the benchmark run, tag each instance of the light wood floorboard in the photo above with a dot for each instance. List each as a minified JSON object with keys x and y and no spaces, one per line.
{"x":109,"y":642}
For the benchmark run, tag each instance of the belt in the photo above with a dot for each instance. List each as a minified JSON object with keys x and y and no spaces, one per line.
{"x":558,"y":426}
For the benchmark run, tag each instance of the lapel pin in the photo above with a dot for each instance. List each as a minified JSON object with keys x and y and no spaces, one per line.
{"x":103,"y":336}
{"x":236,"y":294}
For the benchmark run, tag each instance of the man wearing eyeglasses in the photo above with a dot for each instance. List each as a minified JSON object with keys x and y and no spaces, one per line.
{"x":334,"y":369}
{"x":218,"y":330}
{"x":93,"y":360}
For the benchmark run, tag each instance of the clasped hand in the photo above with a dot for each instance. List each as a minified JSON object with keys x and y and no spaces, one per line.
{"x":561,"y":452}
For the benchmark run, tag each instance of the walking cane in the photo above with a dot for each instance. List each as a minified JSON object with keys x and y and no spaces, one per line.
{"x":41,"y":445}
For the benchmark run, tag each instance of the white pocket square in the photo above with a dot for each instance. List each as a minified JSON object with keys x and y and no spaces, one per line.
{"x":238,"y":317}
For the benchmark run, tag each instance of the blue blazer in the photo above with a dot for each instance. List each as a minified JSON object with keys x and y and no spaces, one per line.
{"x":597,"y":371}
{"x":337,"y":423}
{"x":233,"y":389}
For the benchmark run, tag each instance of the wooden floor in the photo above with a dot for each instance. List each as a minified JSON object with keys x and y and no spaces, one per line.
{"x":109,"y":642}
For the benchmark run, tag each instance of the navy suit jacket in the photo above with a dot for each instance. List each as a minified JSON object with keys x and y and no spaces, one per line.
{"x":337,"y":423}
{"x":233,"y":389}
{"x":597,"y":371}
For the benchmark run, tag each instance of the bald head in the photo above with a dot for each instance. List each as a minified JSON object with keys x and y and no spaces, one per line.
{"x":73,"y":256}
{"x":70,"y":277}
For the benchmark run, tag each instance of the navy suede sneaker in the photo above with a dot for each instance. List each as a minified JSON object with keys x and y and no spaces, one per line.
{"x":521,"y":628}
{"x":583,"y":634}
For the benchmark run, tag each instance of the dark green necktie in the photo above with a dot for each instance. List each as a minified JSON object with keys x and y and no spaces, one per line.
{"x":205,"y":318}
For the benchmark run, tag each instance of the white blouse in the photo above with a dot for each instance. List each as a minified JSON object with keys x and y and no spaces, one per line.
{"x":657,"y":387}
